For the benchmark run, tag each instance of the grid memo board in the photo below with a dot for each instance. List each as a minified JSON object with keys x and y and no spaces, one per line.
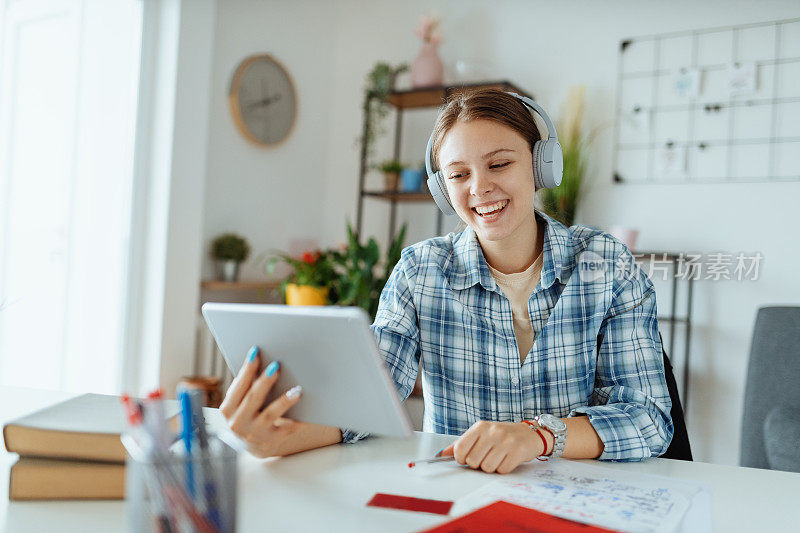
{"x":714,"y":105}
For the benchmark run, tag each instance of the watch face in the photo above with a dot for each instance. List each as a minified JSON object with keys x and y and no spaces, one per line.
{"x":553,"y":422}
{"x":263,"y":100}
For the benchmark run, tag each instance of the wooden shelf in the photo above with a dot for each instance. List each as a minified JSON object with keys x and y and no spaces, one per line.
{"x":215,"y":285}
{"x":436,"y":96}
{"x":398,"y":196}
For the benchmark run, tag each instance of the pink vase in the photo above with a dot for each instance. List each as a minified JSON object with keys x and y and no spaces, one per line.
{"x":427,"y":69}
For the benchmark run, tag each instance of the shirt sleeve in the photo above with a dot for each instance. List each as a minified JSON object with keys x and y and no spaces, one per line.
{"x":630,"y":405}
{"x":396,"y":331}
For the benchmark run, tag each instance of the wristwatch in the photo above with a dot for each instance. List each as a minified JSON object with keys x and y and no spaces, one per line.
{"x":558,"y":428}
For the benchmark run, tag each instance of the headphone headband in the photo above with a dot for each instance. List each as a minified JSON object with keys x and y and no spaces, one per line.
{"x":551,"y":129}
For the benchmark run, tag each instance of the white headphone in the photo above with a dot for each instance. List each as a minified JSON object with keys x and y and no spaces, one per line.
{"x":548,"y":162}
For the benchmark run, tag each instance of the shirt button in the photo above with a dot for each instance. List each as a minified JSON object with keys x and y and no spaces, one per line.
{"x":515,"y":381}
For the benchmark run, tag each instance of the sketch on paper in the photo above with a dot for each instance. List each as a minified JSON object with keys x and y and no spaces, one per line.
{"x":594,"y":495}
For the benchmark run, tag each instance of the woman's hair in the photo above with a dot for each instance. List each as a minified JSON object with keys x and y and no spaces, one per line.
{"x":484,"y":104}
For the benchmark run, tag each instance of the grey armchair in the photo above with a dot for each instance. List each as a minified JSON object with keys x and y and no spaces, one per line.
{"x":771,"y":419}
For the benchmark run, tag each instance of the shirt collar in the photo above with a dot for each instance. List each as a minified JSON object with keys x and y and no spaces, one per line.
{"x":468,"y":266}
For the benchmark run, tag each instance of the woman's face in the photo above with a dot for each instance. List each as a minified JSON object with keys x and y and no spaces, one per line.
{"x":487,"y":166}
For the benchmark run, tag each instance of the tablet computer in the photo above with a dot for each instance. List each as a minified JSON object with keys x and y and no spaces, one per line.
{"x":329,"y":350}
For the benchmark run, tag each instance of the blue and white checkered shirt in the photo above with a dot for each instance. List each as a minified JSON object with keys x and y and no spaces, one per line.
{"x":596,"y":349}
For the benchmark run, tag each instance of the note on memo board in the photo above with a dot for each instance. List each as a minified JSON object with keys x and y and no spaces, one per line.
{"x":605,"y":497}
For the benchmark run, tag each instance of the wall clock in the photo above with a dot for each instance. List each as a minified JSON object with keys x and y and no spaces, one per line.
{"x":263,"y":100}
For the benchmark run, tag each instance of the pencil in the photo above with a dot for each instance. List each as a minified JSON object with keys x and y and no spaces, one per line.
{"x":412,"y":464}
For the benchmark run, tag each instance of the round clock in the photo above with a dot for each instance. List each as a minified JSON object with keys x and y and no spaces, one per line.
{"x":263,"y":100}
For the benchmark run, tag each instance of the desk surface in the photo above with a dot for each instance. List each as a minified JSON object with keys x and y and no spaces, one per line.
{"x":327,"y":489}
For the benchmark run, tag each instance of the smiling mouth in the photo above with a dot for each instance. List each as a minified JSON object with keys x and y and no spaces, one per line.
{"x":497,"y":208}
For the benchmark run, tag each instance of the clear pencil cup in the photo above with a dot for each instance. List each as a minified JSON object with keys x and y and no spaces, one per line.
{"x":177,"y":492}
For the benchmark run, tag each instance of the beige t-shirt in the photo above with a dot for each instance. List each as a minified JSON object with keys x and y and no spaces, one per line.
{"x":518,"y":287}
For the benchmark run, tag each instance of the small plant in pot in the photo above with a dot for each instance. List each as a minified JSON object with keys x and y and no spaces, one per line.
{"x":391,"y":172}
{"x":228,"y":251}
{"x":310,"y":282}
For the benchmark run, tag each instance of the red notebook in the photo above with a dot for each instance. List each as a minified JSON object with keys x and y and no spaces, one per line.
{"x":504,"y":516}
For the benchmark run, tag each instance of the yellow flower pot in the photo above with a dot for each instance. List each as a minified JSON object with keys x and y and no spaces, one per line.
{"x":306,"y":295}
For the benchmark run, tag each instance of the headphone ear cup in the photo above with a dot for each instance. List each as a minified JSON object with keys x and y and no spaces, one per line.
{"x":537,"y":164}
{"x":438,"y":190}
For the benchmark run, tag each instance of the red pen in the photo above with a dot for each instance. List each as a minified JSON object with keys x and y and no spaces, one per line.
{"x":436,"y":459}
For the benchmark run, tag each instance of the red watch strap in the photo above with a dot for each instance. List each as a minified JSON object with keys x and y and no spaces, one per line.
{"x":535,"y":427}
{"x":552,"y":435}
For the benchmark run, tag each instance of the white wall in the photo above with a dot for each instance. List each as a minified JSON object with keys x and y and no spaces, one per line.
{"x":167,"y":205}
{"x":307,"y":187}
{"x":270,"y":195}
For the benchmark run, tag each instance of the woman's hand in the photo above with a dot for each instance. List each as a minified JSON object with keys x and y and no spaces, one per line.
{"x":262,"y":429}
{"x":496,"y":446}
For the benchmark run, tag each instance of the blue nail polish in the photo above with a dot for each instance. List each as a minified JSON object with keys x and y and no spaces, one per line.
{"x":440,"y":451}
{"x":251,"y":355}
{"x":271,"y":369}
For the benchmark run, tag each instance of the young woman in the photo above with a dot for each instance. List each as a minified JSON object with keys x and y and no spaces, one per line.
{"x":533,"y":339}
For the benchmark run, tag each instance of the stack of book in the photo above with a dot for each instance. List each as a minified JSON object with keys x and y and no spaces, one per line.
{"x":71,"y":450}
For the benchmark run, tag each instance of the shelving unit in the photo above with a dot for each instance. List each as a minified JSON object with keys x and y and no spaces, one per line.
{"x":401,"y":101}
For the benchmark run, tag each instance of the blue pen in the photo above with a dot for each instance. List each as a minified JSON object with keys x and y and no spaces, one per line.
{"x":186,"y":435}
{"x":208,"y":483}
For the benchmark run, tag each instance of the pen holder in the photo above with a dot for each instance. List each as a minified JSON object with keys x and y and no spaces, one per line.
{"x":176,"y":492}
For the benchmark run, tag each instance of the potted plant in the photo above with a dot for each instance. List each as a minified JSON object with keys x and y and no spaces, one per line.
{"x":379,"y":84}
{"x":360,"y":279}
{"x":310,"y":282}
{"x":391,"y":172}
{"x":229,"y":250}
{"x":561,"y":202}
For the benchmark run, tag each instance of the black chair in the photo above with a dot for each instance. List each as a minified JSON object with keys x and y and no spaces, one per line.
{"x":679,"y":447}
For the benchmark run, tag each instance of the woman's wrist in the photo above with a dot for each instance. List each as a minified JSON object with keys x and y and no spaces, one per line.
{"x":542,"y":438}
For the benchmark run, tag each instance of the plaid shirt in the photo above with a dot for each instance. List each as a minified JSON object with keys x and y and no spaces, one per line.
{"x":596,"y":352}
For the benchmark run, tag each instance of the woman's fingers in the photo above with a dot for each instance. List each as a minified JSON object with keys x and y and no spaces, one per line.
{"x":463,"y":446}
{"x":478,"y":452}
{"x":509,"y":463}
{"x":493,"y":459}
{"x":280,"y":405}
{"x":444,"y":452}
{"x":238,"y":389}
{"x":258,"y":392}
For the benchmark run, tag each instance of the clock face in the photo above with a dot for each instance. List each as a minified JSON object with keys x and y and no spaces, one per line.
{"x":263,"y":100}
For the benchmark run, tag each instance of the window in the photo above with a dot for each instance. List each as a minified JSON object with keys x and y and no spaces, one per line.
{"x":69,"y":76}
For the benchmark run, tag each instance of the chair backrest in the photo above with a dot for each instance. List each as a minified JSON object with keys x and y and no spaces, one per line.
{"x":773,"y":377}
{"x":679,"y":447}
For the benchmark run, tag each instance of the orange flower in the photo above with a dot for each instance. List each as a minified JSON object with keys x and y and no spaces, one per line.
{"x":309,"y":258}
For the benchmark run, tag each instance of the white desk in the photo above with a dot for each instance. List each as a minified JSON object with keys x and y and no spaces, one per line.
{"x":327,"y":489}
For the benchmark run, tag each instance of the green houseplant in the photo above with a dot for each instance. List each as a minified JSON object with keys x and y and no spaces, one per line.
{"x":379,"y":83}
{"x":229,"y":250}
{"x":561,"y":202}
{"x":360,"y":279}
{"x":391,"y":171}
{"x":311,"y":279}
